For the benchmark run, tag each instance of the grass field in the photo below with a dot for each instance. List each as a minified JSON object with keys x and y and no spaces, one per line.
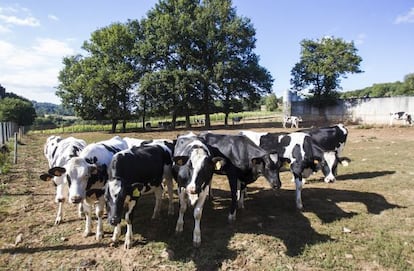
{"x":364,"y":221}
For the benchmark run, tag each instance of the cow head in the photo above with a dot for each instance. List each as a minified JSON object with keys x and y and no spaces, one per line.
{"x":267,"y":166}
{"x":118,"y":196}
{"x":80,"y":174}
{"x":194,"y":165}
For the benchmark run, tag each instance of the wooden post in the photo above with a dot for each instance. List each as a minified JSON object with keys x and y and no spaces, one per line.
{"x":15,"y":148}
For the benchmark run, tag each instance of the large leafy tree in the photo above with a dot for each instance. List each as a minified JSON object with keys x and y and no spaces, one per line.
{"x":168,"y":49}
{"x":323,"y":63}
{"x":201,"y":52}
{"x":99,"y":86}
{"x":18,"y":110}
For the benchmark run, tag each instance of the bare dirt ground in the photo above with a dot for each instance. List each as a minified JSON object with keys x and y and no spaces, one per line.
{"x":364,"y":221}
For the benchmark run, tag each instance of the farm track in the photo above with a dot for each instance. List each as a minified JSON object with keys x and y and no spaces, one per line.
{"x":364,"y":221}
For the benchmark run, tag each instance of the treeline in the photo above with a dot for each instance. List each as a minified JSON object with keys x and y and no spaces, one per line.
{"x":184,"y":58}
{"x":45,"y":109}
{"x":405,"y":88}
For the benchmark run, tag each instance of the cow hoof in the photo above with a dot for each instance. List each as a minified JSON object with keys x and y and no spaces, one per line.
{"x":86,"y":234}
{"x":196,"y":244}
{"x":127,"y":245}
{"x":57,"y":221}
{"x":99,"y":237}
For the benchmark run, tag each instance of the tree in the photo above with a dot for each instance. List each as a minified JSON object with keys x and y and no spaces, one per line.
{"x":271,"y":102}
{"x":323,"y":63}
{"x":20,"y":111}
{"x":100,"y":85}
{"x":201,"y":52}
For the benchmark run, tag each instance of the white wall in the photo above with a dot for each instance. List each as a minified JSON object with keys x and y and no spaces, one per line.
{"x":363,"y":111}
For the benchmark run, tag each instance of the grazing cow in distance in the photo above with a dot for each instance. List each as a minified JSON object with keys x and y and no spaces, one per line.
{"x":58,"y":152}
{"x":88,"y":176}
{"x":132,"y":173}
{"x":332,"y":141}
{"x":297,"y":149}
{"x":404,"y":116}
{"x":293,"y":120}
{"x":193,"y":169}
{"x":244,"y":162}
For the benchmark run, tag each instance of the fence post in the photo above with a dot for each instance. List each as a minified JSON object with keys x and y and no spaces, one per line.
{"x":15,"y":148}
{"x":3,"y":133}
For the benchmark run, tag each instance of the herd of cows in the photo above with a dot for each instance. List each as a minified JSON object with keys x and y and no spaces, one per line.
{"x":112,"y":175}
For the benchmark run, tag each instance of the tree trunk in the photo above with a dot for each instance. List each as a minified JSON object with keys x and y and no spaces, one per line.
{"x":124,"y":122}
{"x":114,"y":123}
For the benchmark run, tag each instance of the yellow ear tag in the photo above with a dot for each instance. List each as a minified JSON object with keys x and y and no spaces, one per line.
{"x":315,"y":162}
{"x":136,"y":193}
{"x":286,"y":164}
{"x":217,"y":165}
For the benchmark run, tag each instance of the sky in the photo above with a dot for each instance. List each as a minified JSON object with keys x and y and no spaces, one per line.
{"x":35,"y":36}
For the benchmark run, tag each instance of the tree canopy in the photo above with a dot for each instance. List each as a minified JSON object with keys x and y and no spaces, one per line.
{"x":181,"y":59}
{"x":322,"y":65}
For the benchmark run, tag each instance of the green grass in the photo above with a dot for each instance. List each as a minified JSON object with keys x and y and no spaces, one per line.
{"x":217,"y":118}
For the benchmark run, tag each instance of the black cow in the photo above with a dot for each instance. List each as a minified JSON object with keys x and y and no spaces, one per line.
{"x":297,"y":149}
{"x":244,"y":163}
{"x":133,"y":172}
{"x":332,"y":141}
{"x":193,"y":169}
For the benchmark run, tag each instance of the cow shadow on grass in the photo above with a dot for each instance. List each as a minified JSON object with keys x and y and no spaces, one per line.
{"x":266,"y":214}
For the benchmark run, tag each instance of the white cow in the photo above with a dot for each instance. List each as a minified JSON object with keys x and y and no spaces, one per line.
{"x":88,"y":175}
{"x":59,"y":152}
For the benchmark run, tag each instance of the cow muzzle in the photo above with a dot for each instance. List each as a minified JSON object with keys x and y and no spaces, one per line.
{"x":76,"y":199}
{"x":114,"y":220}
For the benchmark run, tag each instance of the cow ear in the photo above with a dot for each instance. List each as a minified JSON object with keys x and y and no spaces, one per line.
{"x":46,"y":177}
{"x":57,"y":171}
{"x":218,"y":163}
{"x":180,"y":160}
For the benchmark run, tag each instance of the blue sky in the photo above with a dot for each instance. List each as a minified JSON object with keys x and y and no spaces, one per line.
{"x":36,"y":35}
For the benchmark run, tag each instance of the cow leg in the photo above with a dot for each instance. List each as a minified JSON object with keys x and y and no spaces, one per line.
{"x":233,"y":191}
{"x":117,"y":233}
{"x":241,"y":193}
{"x":59,"y":214}
{"x":183,"y":207}
{"x":170,"y":191}
{"x":198,"y":211}
{"x":158,"y":199}
{"x":298,"y":183}
{"x":128,"y":219}
{"x":81,"y":212}
{"x":99,"y":211}
{"x":88,"y":219}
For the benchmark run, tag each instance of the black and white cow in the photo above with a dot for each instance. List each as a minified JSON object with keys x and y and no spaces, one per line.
{"x":135,"y":172}
{"x":58,"y":152}
{"x":88,"y":176}
{"x":332,"y":141}
{"x":293,"y":120}
{"x":244,"y":162}
{"x":297,"y":149}
{"x":193,"y":169}
{"x":404,"y":116}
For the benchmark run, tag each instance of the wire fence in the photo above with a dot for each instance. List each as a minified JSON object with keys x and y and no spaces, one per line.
{"x":7,"y":130}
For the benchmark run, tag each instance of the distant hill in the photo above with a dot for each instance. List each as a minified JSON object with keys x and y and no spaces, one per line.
{"x":51,"y":109}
